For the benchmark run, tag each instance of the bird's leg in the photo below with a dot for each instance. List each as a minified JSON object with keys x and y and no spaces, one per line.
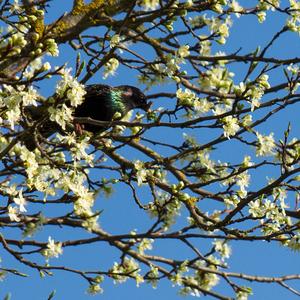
{"x":78,"y":128}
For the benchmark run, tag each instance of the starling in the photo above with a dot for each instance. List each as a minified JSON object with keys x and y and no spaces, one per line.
{"x":101,"y":103}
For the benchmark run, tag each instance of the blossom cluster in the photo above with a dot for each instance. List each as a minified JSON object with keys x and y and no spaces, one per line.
{"x":187,"y":98}
{"x":128,"y":266}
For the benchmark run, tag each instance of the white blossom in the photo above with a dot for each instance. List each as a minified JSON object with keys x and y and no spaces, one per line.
{"x":230,"y":126}
{"x":141,"y":173}
{"x":243,"y":180}
{"x":13,"y":116}
{"x":34,"y":65}
{"x":53,"y":249}
{"x":115,"y":40}
{"x":110,"y":67}
{"x":73,"y":89}
{"x":30,"y":162}
{"x":237,"y":8}
{"x":149,"y":4}
{"x":222,"y":248}
{"x":95,"y":289}
{"x":266,"y":144}
{"x":256,"y":209}
{"x":20,"y":201}
{"x":30,"y":96}
{"x":52,"y":47}
{"x":183,"y":51}
{"x":13,"y":213}
{"x":61,"y":115}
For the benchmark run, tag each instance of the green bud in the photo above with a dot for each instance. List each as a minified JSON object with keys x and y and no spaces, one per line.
{"x":32,"y":18}
{"x":181,"y":185}
{"x":174,"y":187}
{"x":35,"y":37}
{"x":39,"y":12}
{"x":23,"y":19}
{"x":17,"y":50}
{"x":39,"y":51}
{"x":297,"y":178}
{"x":42,"y":274}
{"x":170,"y":27}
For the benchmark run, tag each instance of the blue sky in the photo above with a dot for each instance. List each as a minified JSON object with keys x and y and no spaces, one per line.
{"x":260,"y":258}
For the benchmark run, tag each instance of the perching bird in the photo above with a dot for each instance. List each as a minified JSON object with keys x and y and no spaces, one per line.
{"x":101,"y":103}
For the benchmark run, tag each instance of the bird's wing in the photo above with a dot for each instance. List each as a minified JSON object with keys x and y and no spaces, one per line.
{"x":96,"y":104}
{"x":35,"y":112}
{"x":97,"y":91}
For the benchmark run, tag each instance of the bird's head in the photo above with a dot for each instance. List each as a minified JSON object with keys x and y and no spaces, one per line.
{"x":135,"y":97}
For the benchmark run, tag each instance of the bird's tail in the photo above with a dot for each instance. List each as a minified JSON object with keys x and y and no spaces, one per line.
{"x":45,"y":130}
{"x":29,"y":142}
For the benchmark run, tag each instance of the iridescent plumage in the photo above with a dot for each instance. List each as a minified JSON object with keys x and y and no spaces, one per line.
{"x":101,"y":103}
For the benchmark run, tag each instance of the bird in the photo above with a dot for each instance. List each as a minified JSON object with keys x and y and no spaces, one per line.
{"x":101,"y":103}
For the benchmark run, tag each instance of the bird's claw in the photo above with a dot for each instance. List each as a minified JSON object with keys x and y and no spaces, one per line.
{"x":78,"y":128}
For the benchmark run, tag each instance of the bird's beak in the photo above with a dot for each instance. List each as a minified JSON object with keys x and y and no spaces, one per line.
{"x":147,"y":106}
